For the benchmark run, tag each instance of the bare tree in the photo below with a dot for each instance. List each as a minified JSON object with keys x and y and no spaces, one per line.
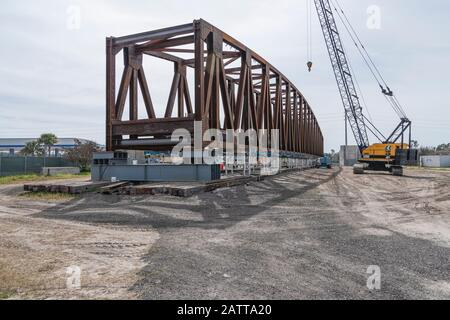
{"x":81,"y":154}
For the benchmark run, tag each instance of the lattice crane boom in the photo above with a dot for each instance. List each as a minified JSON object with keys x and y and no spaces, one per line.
{"x":342,"y":72}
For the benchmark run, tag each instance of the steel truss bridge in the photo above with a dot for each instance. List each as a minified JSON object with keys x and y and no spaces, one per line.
{"x":234,"y":88}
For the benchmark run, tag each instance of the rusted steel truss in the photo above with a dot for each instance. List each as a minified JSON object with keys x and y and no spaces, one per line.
{"x":234,"y":88}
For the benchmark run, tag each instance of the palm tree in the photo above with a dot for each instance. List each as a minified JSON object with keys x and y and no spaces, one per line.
{"x":32,"y":148}
{"x":48,"y":140}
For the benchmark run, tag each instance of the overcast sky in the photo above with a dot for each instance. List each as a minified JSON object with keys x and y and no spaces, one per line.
{"x":53,"y":76}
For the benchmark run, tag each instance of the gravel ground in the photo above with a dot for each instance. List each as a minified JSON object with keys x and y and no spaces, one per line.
{"x":302,"y":235}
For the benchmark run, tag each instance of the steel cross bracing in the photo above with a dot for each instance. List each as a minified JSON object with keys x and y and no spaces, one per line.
{"x":347,"y":89}
{"x":234,"y":88}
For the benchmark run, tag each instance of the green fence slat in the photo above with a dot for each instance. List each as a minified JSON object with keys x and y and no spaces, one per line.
{"x":16,"y":165}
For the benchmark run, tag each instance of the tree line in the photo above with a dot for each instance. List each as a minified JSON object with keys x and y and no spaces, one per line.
{"x":442,"y":149}
{"x":40,"y":147}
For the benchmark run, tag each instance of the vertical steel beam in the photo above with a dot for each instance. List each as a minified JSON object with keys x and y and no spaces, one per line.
{"x":110,"y":91}
{"x":181,"y":89}
{"x":134,"y":96}
{"x":199,"y":71}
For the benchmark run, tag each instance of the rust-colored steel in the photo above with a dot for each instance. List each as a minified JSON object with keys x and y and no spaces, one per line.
{"x":235,"y":88}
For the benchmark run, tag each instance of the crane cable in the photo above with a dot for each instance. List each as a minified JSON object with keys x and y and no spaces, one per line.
{"x":309,"y":57}
{"x":394,"y":106}
{"x":374,"y":130}
{"x":386,"y":91}
{"x":360,"y":42}
{"x":394,"y":101}
{"x":358,"y":87}
{"x":309,"y":34}
{"x":390,"y":97}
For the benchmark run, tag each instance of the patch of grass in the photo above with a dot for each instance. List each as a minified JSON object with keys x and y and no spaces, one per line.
{"x":5,"y":295}
{"x":439,"y":169}
{"x":48,"y":196}
{"x":35,"y":177}
{"x":430,"y":169}
{"x":17,"y":275}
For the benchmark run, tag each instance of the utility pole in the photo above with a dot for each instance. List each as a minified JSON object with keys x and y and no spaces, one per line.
{"x":346,"y":140}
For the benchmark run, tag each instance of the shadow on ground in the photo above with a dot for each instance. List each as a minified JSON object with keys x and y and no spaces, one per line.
{"x":151,"y":212}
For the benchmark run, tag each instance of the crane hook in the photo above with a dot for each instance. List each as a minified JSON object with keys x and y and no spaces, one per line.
{"x":309,"y":64}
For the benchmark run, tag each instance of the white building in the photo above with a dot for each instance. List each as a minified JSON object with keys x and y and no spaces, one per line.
{"x":349,"y":157}
{"x":15,"y":145}
{"x":435,"y":161}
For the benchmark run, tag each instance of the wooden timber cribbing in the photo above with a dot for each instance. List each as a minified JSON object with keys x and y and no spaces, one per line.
{"x":178,"y":189}
{"x":65,"y":187}
{"x":186,"y":190}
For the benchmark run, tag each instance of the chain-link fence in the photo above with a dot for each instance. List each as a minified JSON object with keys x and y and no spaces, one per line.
{"x":16,"y":165}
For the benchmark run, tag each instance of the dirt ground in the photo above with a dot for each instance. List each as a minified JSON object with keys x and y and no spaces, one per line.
{"x":302,"y":235}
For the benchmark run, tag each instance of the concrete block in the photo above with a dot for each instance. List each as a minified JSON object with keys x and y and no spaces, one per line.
{"x":53,"y":171}
{"x":349,"y":156}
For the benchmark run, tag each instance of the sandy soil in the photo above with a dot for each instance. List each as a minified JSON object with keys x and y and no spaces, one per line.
{"x":302,"y":235}
{"x":36,"y":253}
